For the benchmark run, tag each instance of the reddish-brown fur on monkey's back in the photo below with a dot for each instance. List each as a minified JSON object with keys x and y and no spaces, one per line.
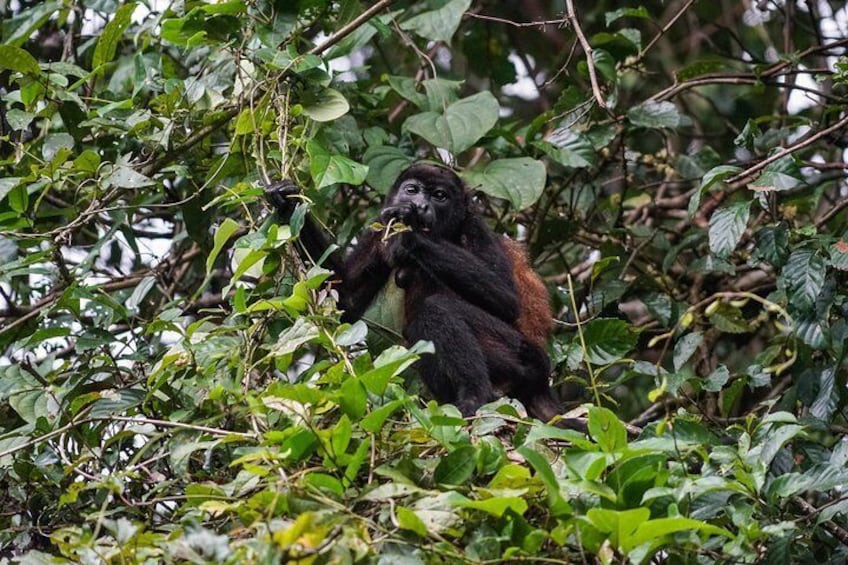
{"x":535,"y":319}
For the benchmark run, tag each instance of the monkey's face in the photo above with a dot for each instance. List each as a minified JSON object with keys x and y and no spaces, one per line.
{"x":435,"y":197}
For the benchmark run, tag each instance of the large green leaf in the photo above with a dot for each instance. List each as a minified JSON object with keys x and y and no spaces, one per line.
{"x":727,"y":225}
{"x":457,"y":466}
{"x":655,"y":115}
{"x":327,"y":105}
{"x":520,"y":180}
{"x":569,"y":149}
{"x":461,"y":124}
{"x":16,"y":59}
{"x":328,"y":169}
{"x":16,"y":30}
{"x":385,"y":164}
{"x":107,"y":44}
{"x":685,"y":347}
{"x":439,"y":24}
{"x":804,"y":276}
{"x":607,"y":340}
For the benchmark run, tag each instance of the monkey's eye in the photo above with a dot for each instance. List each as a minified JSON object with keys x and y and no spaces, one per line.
{"x":412,"y":188}
{"x":440,"y":195}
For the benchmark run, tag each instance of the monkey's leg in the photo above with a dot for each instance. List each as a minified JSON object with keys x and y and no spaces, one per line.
{"x":457,"y":372}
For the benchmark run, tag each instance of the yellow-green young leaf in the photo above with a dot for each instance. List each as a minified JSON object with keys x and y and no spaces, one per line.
{"x":497,"y":506}
{"x":222,"y":235}
{"x":245,"y":122}
{"x":16,"y":59}
{"x":408,"y":520}
{"x":606,"y":429}
{"x":619,"y":524}
{"x":111,"y":35}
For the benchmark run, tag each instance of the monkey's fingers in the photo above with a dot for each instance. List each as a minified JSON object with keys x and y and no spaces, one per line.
{"x":278,"y":195}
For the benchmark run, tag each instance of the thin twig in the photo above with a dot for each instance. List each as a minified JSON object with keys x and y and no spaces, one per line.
{"x":788,"y":151}
{"x":665,"y":28}
{"x":593,"y":78}
{"x":351,"y":27}
{"x":540,"y":23}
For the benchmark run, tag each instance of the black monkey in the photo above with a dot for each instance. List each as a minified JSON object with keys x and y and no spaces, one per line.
{"x":469,"y":292}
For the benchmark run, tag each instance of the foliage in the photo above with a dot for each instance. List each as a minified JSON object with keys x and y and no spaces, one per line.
{"x":175,"y":384}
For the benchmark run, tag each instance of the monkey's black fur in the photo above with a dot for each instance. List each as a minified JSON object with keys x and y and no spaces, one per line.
{"x":460,"y":283}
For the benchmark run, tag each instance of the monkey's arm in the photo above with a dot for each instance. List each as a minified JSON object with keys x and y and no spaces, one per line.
{"x":481,"y":276}
{"x":362,"y":273}
{"x":366,"y":272}
{"x":313,"y":239}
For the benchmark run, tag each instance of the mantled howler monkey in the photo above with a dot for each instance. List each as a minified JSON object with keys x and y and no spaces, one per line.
{"x":469,"y":292}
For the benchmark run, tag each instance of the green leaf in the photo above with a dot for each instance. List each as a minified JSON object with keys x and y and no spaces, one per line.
{"x":838,"y":253}
{"x":685,"y":347}
{"x":123,"y":176}
{"x":353,"y":398}
{"x":457,"y":467}
{"x":655,"y":115}
{"x":88,"y":161}
{"x":556,"y":503}
{"x":7,"y":185}
{"x":407,"y":87}
{"x":607,"y":340}
{"x":16,"y":59}
{"x":804,"y":276}
{"x":616,"y":15}
{"x":569,"y":149}
{"x":619,"y":525}
{"x":727,"y":225}
{"x":374,"y":421}
{"x":329,"y":169}
{"x":828,"y":398}
{"x":301,"y":332}
{"x":714,"y":175}
{"x":496,"y":506}
{"x":519,"y":180}
{"x":460,"y":125}
{"x":224,"y":232}
{"x":107,"y":44}
{"x":655,"y":529}
{"x":778,"y":176}
{"x":16,"y":30}
{"x":328,"y":105}
{"x":606,"y":429}
{"x":385,"y":163}
{"x":773,"y":244}
{"x":408,"y":520}
{"x":717,"y":379}
{"x":440,"y":24}
{"x":728,"y":318}
{"x":54,"y":143}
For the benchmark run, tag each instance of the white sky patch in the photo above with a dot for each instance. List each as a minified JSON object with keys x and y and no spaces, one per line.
{"x":523,"y":87}
{"x":800,"y":100}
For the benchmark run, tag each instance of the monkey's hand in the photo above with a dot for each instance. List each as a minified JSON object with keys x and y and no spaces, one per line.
{"x":403,"y":213}
{"x":282,"y":196}
{"x":398,"y":249}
